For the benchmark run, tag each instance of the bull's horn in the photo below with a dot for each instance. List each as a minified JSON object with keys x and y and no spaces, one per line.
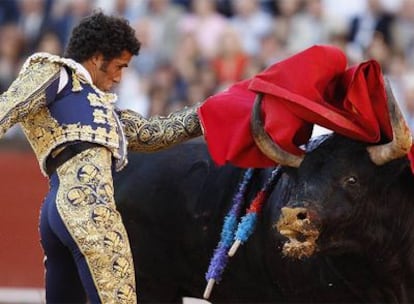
{"x":265,"y":142}
{"x":402,"y":140}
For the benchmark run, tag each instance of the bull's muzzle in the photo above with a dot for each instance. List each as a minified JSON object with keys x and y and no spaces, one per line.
{"x":300,"y":226}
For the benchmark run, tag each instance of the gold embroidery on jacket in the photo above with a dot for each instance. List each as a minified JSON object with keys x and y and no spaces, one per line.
{"x":86,"y":204}
{"x":44,"y":134}
{"x":99,"y":116}
{"x":94,"y":100}
{"x":76,"y":84}
{"x":25,"y":102}
{"x":156,"y":133}
{"x":26,"y":94}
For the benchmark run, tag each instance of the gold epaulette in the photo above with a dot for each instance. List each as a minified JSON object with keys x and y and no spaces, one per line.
{"x":27,"y":92}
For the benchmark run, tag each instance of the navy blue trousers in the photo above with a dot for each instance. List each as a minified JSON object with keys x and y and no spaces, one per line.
{"x":68,"y":279}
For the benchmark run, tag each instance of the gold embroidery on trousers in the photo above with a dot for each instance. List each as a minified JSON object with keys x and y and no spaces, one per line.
{"x":86,"y":204}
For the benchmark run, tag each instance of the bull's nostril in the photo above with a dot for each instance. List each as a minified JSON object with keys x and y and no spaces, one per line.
{"x":301,"y":215}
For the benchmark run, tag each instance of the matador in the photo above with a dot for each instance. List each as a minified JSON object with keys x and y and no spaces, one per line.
{"x":80,"y":138}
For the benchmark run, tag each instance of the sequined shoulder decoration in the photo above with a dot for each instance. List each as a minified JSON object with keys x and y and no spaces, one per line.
{"x":27,"y":92}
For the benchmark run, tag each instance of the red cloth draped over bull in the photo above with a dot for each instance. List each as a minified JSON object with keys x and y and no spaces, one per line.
{"x":312,"y":87}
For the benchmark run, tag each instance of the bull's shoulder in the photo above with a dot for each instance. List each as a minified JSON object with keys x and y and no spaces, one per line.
{"x":182,"y":159}
{"x":180,"y":166}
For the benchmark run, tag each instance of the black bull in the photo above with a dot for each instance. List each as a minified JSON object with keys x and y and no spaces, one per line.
{"x":173,"y":204}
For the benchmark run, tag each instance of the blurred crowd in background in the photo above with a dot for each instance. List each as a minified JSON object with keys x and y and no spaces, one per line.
{"x":192,"y":49}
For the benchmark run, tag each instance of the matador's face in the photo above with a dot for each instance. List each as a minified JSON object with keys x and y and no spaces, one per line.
{"x":107,"y":73}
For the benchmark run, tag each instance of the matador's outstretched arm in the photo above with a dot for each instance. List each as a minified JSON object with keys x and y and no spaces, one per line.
{"x":157,"y":133}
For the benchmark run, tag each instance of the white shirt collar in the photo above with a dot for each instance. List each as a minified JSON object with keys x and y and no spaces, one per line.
{"x":82,"y":70}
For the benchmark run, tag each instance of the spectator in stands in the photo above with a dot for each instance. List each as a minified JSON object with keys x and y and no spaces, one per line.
{"x":285,"y":11}
{"x":34,"y":18}
{"x":231,"y":60}
{"x":9,"y":12}
{"x":251,"y":24}
{"x":163,"y":19}
{"x":312,"y":25}
{"x":374,"y":20}
{"x":49,"y":42}
{"x":408,"y":97}
{"x":66,"y":15}
{"x":11,"y":51}
{"x":403,"y":33}
{"x":206,"y":24}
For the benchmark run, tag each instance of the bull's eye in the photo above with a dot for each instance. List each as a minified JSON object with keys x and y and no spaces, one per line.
{"x":351,"y":180}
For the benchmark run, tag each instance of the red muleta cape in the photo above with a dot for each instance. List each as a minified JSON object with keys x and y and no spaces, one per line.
{"x":312,"y":87}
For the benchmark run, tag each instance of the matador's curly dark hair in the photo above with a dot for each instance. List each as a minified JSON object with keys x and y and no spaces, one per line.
{"x":99,"y":33}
